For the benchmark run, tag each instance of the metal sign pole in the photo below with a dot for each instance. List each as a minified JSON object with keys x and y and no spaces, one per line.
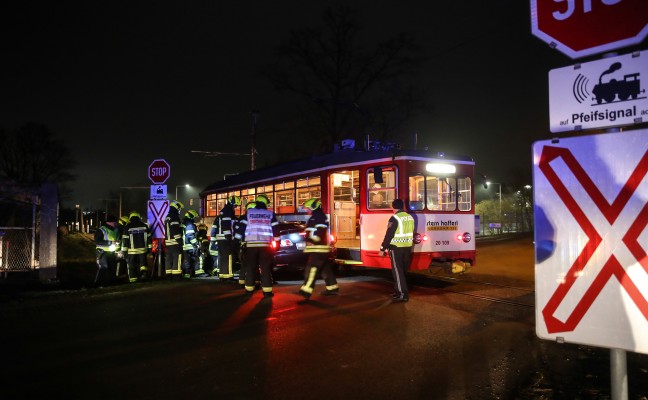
{"x":619,"y":374}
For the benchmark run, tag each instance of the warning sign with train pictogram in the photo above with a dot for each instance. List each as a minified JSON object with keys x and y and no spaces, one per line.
{"x":599,"y":94}
{"x":591,"y":217}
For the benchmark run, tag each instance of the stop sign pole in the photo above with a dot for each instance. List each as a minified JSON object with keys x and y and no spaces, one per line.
{"x":580,"y":28}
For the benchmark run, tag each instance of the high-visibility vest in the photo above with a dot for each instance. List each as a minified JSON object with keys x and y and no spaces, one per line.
{"x":404,"y":235}
{"x":110,"y":235}
{"x":258,"y":227}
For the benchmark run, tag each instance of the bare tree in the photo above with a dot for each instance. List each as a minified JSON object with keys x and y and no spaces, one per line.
{"x":31,"y":156}
{"x":351,"y":89}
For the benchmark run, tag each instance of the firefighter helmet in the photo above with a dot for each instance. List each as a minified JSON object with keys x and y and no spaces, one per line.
{"x":177,"y":205}
{"x":263,"y":199}
{"x":134,"y":214}
{"x":313,"y":203}
{"x":123,"y":220}
{"x":234,"y":200}
{"x":250,"y":204}
{"x":191,"y":214}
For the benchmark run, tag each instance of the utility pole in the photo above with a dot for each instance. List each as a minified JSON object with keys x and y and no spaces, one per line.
{"x":255,"y":116}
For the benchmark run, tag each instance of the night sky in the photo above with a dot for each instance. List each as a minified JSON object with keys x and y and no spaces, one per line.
{"x":126,"y":83}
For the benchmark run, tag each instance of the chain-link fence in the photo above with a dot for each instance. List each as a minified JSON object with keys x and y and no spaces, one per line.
{"x":16,"y":249}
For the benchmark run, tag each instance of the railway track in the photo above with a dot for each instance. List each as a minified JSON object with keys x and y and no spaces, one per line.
{"x":467,"y":287}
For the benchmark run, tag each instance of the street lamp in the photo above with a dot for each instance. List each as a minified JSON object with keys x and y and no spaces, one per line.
{"x":185,"y":186}
{"x":500,"y":196}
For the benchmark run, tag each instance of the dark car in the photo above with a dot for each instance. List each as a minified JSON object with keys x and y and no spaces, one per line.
{"x":289,"y":251}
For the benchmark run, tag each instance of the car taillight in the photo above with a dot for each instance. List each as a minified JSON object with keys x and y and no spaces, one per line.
{"x":273,"y":244}
{"x":286,"y":243}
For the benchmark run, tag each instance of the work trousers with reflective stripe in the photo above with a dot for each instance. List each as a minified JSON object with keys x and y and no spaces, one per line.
{"x":172,"y":259}
{"x":321,"y":262}
{"x":255,"y":258}
{"x":136,"y":266}
{"x":400,"y":261}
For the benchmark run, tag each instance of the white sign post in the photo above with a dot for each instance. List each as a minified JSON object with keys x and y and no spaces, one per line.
{"x":610,"y":92}
{"x":591,"y":238}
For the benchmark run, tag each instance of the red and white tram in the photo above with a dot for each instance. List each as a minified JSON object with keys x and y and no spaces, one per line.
{"x":356,"y":189}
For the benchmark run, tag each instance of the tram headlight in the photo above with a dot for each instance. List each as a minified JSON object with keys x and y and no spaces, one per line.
{"x":466,"y":237}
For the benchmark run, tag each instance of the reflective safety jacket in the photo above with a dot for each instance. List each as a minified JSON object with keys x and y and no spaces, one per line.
{"x":259,"y":227}
{"x":136,"y":238}
{"x":400,"y":231}
{"x":189,"y":234}
{"x":106,"y":238}
{"x":172,"y":228}
{"x":222,"y":229}
{"x":317,"y":233}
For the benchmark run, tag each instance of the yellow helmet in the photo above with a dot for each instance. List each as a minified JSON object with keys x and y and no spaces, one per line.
{"x":123,"y":220}
{"x":250,"y":204}
{"x":176,"y":204}
{"x":191,"y":214}
{"x":234,"y":200}
{"x":263,"y":199}
{"x":313,"y":203}
{"x":134,"y":214}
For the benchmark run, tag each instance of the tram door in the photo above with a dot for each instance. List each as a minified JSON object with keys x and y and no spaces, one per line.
{"x":344,"y":192}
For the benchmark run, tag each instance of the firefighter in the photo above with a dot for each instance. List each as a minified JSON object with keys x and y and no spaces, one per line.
{"x":203,"y":243}
{"x":318,"y":250}
{"x":259,"y":227}
{"x":398,"y":242}
{"x":106,"y":239}
{"x":136,"y":243}
{"x":122,"y":267}
{"x":173,"y":240}
{"x":222,"y":232}
{"x":241,"y":246}
{"x":190,"y":248}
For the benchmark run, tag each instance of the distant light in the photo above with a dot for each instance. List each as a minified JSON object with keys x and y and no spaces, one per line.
{"x":441,"y":168}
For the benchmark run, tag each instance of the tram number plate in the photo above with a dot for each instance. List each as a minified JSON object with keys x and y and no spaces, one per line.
{"x":442,"y":242}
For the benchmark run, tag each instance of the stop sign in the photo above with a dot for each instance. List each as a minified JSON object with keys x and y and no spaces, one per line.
{"x":159,"y":171}
{"x":580,"y":28}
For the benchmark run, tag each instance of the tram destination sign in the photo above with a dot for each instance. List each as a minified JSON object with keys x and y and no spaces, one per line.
{"x":604,"y":93}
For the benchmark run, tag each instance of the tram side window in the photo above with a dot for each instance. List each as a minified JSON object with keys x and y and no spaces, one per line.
{"x":237,"y":210}
{"x":416,"y":193}
{"x":307,"y":188}
{"x":381,"y":195}
{"x":212,"y":205}
{"x":285,"y":197}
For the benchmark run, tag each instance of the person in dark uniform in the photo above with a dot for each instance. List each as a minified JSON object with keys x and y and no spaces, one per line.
{"x":191,"y":247}
{"x":173,"y":240}
{"x":136,"y":243}
{"x":318,"y":250}
{"x":259,"y":227}
{"x":222,"y":231}
{"x":398,"y":243}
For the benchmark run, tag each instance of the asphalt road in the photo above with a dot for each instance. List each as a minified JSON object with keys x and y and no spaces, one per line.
{"x":205,"y":340}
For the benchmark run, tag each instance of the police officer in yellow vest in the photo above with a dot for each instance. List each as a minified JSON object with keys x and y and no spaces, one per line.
{"x":398,"y":243}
